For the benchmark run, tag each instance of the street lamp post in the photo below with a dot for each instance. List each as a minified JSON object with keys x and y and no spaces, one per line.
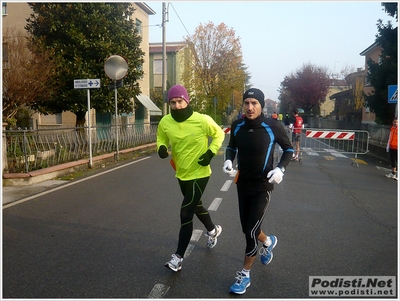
{"x":116,"y":67}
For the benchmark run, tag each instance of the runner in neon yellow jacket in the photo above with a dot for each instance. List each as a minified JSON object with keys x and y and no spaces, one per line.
{"x":188,"y":132}
{"x":189,"y":141}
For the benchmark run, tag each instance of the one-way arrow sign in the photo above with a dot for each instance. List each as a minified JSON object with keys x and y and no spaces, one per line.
{"x":86,"y":83}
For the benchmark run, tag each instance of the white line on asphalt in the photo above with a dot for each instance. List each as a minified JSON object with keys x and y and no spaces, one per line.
{"x":188,"y":251}
{"x":196,"y":235}
{"x":158,"y":291}
{"x":226,"y":186}
{"x":215,"y":204}
{"x":70,"y":184}
{"x":383,"y":168}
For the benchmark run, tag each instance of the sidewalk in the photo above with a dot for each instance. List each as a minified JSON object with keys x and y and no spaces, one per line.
{"x":16,"y":193}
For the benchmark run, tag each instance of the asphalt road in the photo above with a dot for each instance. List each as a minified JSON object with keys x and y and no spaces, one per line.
{"x":108,"y":235}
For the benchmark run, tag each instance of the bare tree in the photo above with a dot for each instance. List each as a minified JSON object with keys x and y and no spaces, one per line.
{"x":214,"y":69}
{"x":27,"y":75}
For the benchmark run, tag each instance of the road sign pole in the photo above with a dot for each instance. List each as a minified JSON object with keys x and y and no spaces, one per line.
{"x":89,"y":131}
{"x":88,"y":84}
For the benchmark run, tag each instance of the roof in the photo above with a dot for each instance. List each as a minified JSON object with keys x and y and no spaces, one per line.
{"x":170,"y":47}
{"x":146,"y":8}
{"x":369,"y":49}
{"x":340,"y":94}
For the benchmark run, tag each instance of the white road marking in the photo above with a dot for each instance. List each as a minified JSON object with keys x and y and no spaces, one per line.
{"x":226,"y":186}
{"x":335,"y":153}
{"x":383,"y":168}
{"x":215,"y":204}
{"x":188,"y":251}
{"x":196,"y":235}
{"x":158,"y":291}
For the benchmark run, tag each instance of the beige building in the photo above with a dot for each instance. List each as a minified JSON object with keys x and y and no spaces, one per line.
{"x":14,"y":17}
{"x":372,"y":52}
{"x":349,"y":103}
{"x":141,"y":15}
{"x":327,"y":107}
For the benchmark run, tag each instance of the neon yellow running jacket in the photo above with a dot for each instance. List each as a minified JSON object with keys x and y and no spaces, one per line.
{"x":189,"y":140}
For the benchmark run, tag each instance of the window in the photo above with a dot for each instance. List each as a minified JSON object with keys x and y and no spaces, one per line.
{"x":139,"y":26}
{"x":157,"y":67}
{"x":4,"y":8}
{"x":140,"y":68}
{"x":157,"y":72}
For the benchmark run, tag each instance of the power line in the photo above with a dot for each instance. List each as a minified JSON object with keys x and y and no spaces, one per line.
{"x":180,"y":20}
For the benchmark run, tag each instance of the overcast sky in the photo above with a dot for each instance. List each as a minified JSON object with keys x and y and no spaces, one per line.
{"x":278,"y":37}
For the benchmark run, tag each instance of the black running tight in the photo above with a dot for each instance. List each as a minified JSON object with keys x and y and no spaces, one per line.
{"x":252,"y":208}
{"x":192,"y":192}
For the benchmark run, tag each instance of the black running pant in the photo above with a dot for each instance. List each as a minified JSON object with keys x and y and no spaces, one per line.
{"x":252,"y":208}
{"x":393,"y":157}
{"x":192,"y":192}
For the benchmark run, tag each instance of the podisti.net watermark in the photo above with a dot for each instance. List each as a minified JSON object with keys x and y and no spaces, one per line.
{"x":352,"y":286}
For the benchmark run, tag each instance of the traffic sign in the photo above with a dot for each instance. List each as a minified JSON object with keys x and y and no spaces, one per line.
{"x":392,"y":94}
{"x":86,"y":83}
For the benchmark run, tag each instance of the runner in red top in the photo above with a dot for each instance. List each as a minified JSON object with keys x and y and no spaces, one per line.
{"x":296,"y":128}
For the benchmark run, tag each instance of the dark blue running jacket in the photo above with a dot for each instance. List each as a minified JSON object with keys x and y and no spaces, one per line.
{"x":253,"y":143}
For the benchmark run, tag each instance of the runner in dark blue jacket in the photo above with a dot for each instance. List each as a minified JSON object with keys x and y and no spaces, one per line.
{"x":252,"y":143}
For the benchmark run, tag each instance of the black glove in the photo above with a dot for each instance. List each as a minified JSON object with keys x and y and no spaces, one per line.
{"x":205,"y":158}
{"x":162,"y":152}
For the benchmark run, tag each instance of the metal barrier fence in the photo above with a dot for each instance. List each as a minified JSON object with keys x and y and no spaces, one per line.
{"x":334,"y":142}
{"x":28,"y":150}
{"x":378,"y":133}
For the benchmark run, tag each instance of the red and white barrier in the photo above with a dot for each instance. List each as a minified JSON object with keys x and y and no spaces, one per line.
{"x":227,"y":130}
{"x":330,"y":135}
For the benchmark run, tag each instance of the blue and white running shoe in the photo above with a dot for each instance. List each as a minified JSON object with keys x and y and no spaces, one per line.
{"x":242,"y":282}
{"x":266,"y":252}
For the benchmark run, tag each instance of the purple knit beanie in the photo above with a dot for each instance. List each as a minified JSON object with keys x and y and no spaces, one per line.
{"x":178,"y":91}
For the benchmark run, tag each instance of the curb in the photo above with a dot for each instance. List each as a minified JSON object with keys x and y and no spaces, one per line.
{"x":40,"y":175}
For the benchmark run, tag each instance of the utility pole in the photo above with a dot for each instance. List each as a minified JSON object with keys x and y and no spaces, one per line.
{"x":164,"y":58}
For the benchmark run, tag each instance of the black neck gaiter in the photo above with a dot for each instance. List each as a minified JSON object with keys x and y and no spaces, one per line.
{"x":182,"y":114}
{"x":255,"y":122}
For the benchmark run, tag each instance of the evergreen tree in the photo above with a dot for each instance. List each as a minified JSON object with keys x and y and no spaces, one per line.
{"x":384,"y":73}
{"x":82,"y":36}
